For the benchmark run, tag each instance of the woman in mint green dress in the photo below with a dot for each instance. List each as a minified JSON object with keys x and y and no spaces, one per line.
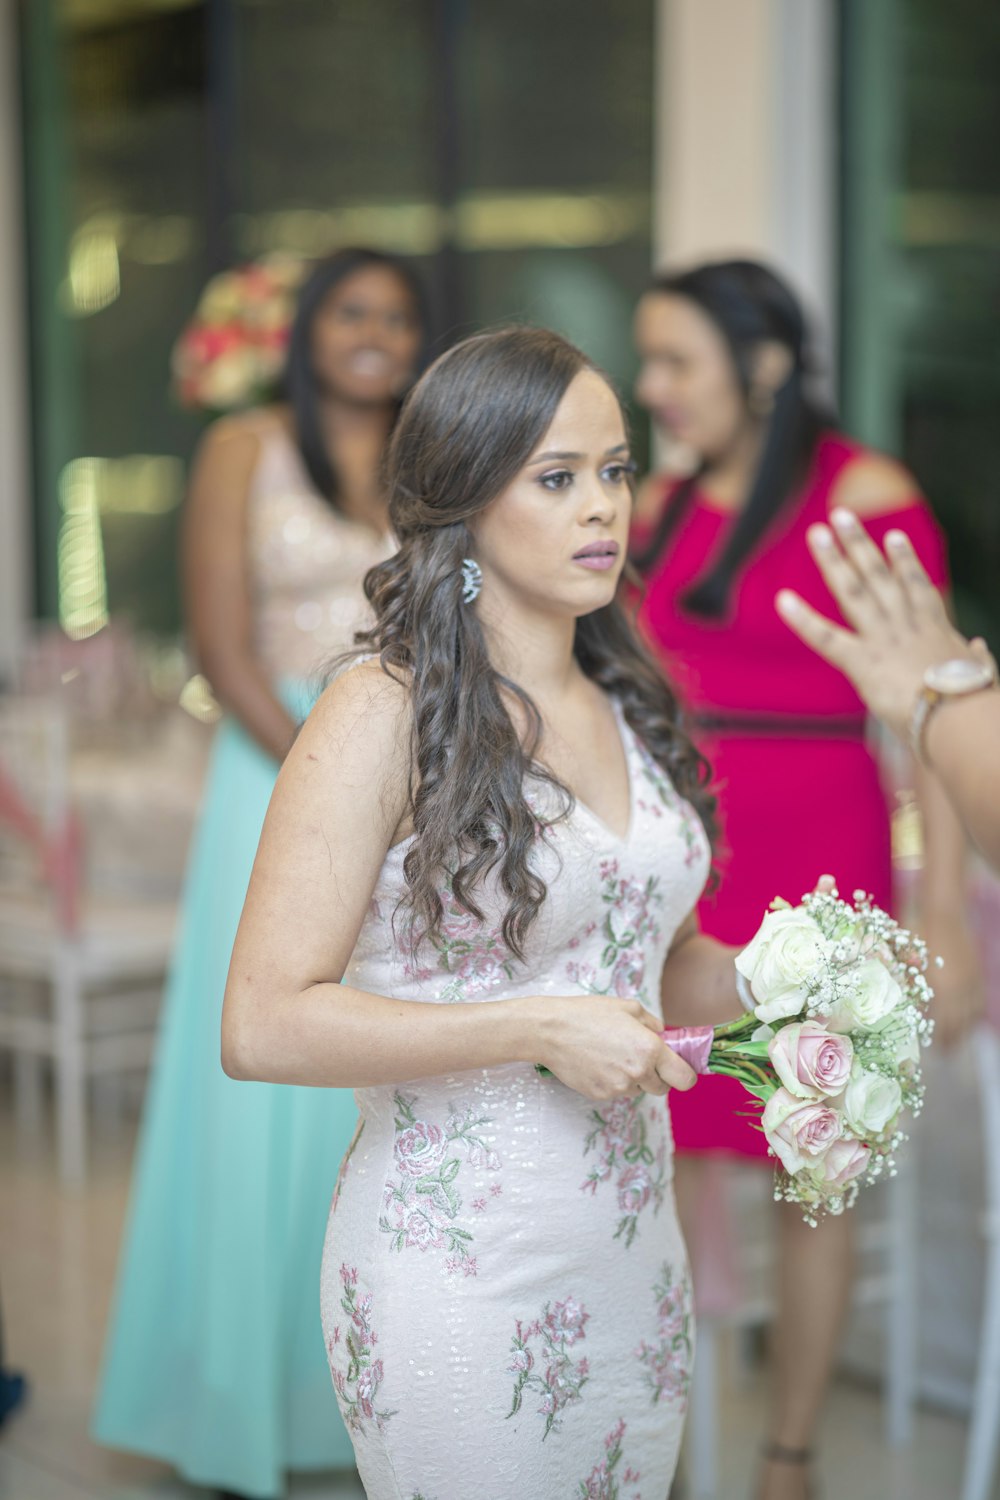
{"x":214,"y":1359}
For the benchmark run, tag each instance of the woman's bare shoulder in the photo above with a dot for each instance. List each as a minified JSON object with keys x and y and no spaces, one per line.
{"x":365,"y":705}
{"x":237,"y":438}
{"x":873,"y":484}
{"x":351,"y":760}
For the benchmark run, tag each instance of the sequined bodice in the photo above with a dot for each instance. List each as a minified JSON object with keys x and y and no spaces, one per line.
{"x":307,"y":563}
{"x":610,"y":915}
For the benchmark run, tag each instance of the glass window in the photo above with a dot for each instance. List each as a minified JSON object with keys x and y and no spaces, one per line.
{"x":507,"y":148}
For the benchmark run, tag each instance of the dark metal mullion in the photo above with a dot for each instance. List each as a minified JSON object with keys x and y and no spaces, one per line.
{"x":221,"y":132}
{"x":447,"y":19}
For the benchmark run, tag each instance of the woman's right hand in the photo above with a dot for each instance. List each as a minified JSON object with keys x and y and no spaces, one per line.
{"x":605,"y":1048}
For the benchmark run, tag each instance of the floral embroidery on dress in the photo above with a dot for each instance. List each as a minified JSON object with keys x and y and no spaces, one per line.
{"x":357,"y":1385}
{"x":422,"y":1205}
{"x":668,"y":797}
{"x":628,"y":928}
{"x":549,"y":1368}
{"x":602,"y":1483}
{"x":620,"y":1138}
{"x":467,"y":948}
{"x":668,"y":1362}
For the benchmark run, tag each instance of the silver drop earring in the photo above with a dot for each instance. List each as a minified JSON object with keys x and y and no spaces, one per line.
{"x":472,"y":580}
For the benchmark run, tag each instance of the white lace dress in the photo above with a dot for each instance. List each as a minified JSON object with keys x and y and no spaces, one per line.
{"x":505,"y":1296}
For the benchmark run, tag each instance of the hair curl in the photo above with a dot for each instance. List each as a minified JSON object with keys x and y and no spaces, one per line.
{"x":467,"y":429}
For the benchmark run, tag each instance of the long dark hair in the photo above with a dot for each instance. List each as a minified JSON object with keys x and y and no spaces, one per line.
{"x":467,"y":429}
{"x":299,"y":385}
{"x":749,"y":305}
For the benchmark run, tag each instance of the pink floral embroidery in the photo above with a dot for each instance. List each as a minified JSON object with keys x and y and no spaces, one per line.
{"x":629,"y":927}
{"x":619,"y":1137}
{"x":421,"y":1207}
{"x":468,"y":949}
{"x":357,"y":1384}
{"x":668,"y":1361}
{"x":548,"y":1367}
{"x":691,"y":830}
{"x":602,"y":1482}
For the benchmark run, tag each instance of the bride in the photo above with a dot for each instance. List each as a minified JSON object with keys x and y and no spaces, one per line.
{"x":482,"y":854}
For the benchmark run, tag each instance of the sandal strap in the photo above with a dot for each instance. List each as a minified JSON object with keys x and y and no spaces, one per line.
{"x":777,"y":1453}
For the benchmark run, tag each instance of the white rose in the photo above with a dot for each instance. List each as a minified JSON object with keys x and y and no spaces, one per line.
{"x":786,"y":952}
{"x":871,"y":1102}
{"x":873,"y":995}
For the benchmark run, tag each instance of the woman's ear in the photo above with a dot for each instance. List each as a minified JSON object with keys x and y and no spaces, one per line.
{"x":770,"y":366}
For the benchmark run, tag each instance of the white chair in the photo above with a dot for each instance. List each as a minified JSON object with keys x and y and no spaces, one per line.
{"x":80,"y":979}
{"x":984,"y":1423}
{"x":886,"y":1277}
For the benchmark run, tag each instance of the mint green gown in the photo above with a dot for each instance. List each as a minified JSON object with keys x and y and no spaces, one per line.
{"x":214,"y":1358}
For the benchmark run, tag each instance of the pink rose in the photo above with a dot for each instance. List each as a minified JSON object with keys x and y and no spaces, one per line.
{"x":369,"y":1381}
{"x":420,"y":1149}
{"x":557,"y":1385}
{"x":811,"y":1061}
{"x":633,"y":1189}
{"x":619,"y":1123}
{"x":845,"y":1160}
{"x":422,"y":1233}
{"x":567,"y":1319}
{"x":799,"y":1132}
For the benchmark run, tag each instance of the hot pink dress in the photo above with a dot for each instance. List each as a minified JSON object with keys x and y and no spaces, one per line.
{"x":798,"y":787}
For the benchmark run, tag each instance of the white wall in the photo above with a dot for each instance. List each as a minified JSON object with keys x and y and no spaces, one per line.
{"x":745,"y":157}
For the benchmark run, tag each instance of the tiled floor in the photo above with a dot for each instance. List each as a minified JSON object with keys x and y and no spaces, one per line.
{"x":57,"y":1260}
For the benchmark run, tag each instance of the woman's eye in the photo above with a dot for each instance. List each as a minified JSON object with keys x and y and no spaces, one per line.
{"x":558,"y":479}
{"x":619,"y":473}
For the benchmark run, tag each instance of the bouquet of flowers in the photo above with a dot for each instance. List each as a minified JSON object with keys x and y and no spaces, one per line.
{"x":232,"y":352}
{"x":836,"y":1000}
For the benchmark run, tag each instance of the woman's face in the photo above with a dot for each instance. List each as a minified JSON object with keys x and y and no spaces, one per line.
{"x":554,"y":540}
{"x":366,"y":337}
{"x":687,"y":380}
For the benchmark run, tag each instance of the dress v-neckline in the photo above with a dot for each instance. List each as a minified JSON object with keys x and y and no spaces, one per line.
{"x":625,"y":737}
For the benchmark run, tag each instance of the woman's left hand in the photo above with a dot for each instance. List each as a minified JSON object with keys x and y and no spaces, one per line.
{"x":959,"y":998}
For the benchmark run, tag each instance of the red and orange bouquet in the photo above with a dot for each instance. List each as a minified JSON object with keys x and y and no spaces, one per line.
{"x":232,"y":353}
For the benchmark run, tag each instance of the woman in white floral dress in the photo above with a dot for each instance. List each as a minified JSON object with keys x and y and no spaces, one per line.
{"x":482,"y":854}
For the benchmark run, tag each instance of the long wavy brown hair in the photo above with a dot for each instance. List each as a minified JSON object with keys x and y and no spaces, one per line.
{"x":466,"y":431}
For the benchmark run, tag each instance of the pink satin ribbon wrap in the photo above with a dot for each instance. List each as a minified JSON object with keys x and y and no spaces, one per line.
{"x":693,"y":1043}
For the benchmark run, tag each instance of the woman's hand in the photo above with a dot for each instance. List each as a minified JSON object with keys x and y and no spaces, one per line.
{"x":900,"y":625}
{"x":604,"y":1048}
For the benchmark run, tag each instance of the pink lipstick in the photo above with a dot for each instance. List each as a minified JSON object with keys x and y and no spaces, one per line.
{"x":598,"y":556}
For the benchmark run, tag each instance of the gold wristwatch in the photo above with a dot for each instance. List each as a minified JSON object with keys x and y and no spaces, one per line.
{"x":956,"y":678}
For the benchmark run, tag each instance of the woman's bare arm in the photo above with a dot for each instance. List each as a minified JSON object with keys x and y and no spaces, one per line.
{"x":217,"y":590}
{"x":699,"y":981}
{"x":341,"y":800}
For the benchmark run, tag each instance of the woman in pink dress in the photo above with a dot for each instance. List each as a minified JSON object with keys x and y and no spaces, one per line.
{"x":725,"y":373}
